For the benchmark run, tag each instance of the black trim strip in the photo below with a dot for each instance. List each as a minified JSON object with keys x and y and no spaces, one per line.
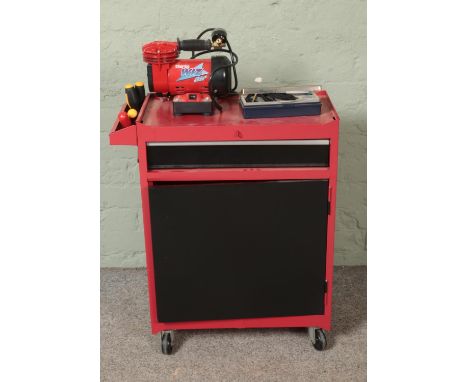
{"x":219,"y":156}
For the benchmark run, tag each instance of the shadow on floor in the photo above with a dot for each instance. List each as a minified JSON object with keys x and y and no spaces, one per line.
{"x":349,"y":311}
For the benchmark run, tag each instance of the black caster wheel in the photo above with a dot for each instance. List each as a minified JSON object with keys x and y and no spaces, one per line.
{"x":166,"y":342}
{"x":319,"y":339}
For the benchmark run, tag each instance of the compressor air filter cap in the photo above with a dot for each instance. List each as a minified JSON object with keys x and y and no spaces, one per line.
{"x":160,"y":52}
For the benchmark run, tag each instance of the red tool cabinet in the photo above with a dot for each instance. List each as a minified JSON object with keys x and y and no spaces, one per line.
{"x":239,"y":217}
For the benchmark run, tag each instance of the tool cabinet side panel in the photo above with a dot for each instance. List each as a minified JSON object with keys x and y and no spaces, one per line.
{"x":144,"y":185}
{"x":331,"y":222}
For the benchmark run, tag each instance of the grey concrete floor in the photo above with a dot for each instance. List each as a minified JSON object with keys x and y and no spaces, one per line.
{"x":130,"y":353}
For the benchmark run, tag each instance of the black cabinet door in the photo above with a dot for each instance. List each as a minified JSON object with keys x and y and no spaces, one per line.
{"x":239,"y":249}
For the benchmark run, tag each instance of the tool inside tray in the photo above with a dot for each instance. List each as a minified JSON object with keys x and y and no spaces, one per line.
{"x":285,"y":101}
{"x":279,"y":96}
{"x":269,"y":97}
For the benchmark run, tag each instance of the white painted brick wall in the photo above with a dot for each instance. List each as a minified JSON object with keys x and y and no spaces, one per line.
{"x":283,"y":41}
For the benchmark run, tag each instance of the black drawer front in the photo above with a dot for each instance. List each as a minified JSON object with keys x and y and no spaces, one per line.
{"x":307,"y":154}
{"x":239,"y":249}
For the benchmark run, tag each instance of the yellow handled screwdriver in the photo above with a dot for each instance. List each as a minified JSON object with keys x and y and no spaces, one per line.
{"x":132,"y":113}
{"x":131,"y":97}
{"x":140,"y":88}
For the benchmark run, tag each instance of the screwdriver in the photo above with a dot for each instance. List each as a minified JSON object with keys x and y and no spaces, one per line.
{"x":131,"y":97}
{"x":140,"y":89}
{"x":132,"y":113}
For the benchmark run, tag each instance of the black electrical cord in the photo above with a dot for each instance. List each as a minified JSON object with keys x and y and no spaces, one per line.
{"x":234,"y":61}
{"x":210,"y":86}
{"x":213,"y":51}
{"x":233,"y":65}
{"x":201,"y":34}
{"x":206,"y":30}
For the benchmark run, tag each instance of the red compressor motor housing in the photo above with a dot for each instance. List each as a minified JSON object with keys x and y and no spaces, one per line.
{"x":193,"y":83}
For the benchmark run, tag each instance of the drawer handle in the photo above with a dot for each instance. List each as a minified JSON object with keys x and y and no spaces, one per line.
{"x":312,"y":142}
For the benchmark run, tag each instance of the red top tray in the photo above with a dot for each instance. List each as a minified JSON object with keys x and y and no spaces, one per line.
{"x":156,"y":112}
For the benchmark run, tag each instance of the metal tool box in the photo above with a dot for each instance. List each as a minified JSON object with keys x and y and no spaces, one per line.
{"x":304,"y":102}
{"x":239,"y":217}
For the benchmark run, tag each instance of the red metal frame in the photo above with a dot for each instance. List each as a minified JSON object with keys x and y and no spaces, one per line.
{"x":155,"y":123}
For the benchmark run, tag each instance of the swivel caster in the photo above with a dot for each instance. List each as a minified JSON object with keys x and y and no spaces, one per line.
{"x":166,"y":342}
{"x":318,"y":338}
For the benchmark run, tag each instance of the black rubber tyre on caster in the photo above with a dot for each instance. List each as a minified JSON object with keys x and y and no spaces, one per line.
{"x":320,"y":342}
{"x":166,"y":343}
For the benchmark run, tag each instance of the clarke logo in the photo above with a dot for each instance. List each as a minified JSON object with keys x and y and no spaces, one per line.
{"x":198,"y":73}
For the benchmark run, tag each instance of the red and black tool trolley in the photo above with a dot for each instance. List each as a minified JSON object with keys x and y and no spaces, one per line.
{"x":239,"y":217}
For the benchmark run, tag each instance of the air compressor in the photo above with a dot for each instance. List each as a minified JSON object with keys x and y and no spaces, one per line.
{"x":195,"y":83}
